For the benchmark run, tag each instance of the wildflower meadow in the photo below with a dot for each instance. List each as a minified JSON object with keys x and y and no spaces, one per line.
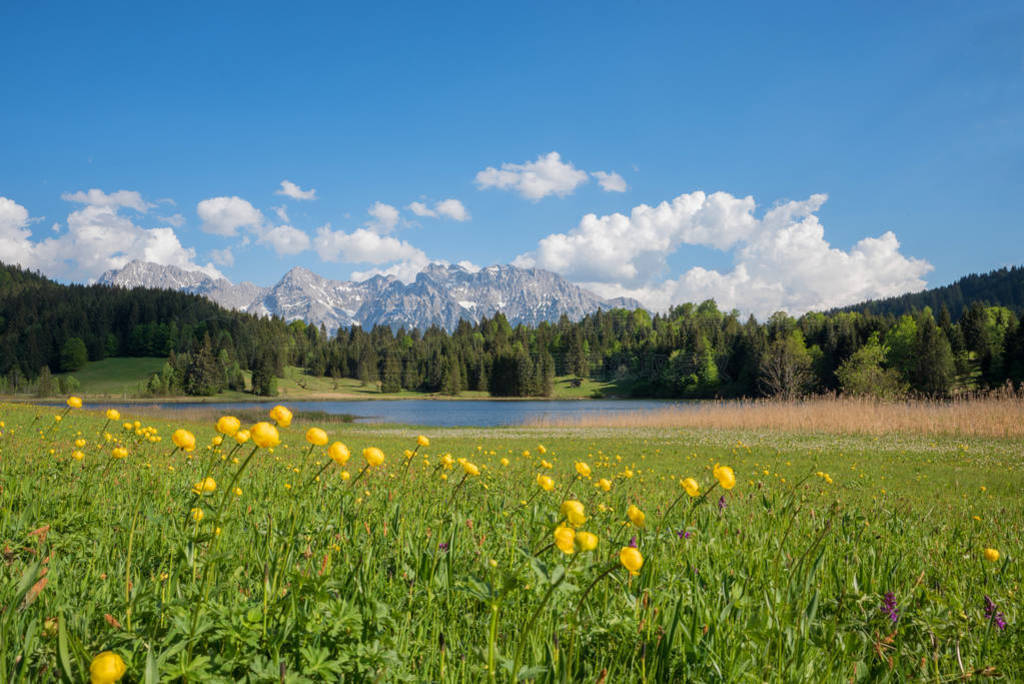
{"x":141,"y":549}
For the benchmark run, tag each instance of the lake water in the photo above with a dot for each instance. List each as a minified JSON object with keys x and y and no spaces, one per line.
{"x":439,"y":413}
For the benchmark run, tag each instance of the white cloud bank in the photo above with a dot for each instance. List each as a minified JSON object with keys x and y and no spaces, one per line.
{"x":781,"y":261}
{"x":225,"y":215}
{"x":549,"y":175}
{"x":98,"y":238}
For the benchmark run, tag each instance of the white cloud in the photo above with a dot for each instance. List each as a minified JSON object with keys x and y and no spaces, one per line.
{"x":421,"y":209}
{"x":292,"y":190}
{"x":468,"y":265}
{"x":223,"y":257}
{"x":610,"y":182}
{"x":282,"y":213}
{"x":98,"y":238}
{"x":385,"y":218}
{"x":97,"y":198}
{"x":406,"y":270}
{"x":225,"y":215}
{"x":363,"y":246}
{"x":781,"y":261}
{"x":548,"y":175}
{"x":284,"y":239}
{"x":452,"y":208}
{"x":176,"y":220}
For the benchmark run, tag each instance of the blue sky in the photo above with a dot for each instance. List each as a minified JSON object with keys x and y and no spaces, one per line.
{"x":908,"y":116}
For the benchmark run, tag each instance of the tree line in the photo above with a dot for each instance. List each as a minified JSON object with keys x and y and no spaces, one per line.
{"x":693,"y":350}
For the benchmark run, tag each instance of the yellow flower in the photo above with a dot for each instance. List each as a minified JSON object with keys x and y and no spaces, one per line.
{"x":316,"y":436}
{"x":541,"y":449}
{"x":197,"y":514}
{"x":58,"y":418}
{"x":423,"y":441}
{"x":627,"y":473}
{"x":242,"y":436}
{"x":77,"y":455}
{"x":281,"y":415}
{"x":691,"y":487}
{"x":339,"y":453}
{"x":573,"y":512}
{"x":205,"y":486}
{"x":545,"y":464}
{"x":470,"y":468}
{"x":374,"y":456}
{"x":237,"y":491}
{"x":605,"y":484}
{"x":636,"y":516}
{"x":545,"y":482}
{"x":447,"y":461}
{"x":228,"y":425}
{"x":106,"y":668}
{"x":565,"y":539}
{"x":265,"y":435}
{"x":75,"y":402}
{"x":345,"y":476}
{"x":586,"y":540}
{"x":725,"y":476}
{"x":991,"y":555}
{"x":113,"y":414}
{"x":583,"y":469}
{"x":631,"y":559}
{"x":119,"y":452}
{"x":184,"y":439}
{"x":79,"y":442}
{"x":504,"y":462}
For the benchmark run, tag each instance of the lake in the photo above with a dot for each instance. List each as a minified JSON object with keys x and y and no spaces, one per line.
{"x":436,"y":413}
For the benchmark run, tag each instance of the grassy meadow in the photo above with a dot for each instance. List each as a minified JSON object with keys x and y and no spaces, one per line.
{"x":836,"y":556}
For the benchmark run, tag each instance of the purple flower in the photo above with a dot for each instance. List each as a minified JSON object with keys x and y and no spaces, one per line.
{"x":993,"y":615}
{"x":443,"y":546}
{"x":889,"y":607}
{"x":721,"y":502}
{"x":683,"y":534}
{"x":632,"y":541}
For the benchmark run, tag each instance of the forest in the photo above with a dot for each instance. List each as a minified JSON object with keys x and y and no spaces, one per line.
{"x":692,"y":351}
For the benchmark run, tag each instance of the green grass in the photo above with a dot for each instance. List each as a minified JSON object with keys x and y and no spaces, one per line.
{"x":399,"y":575}
{"x":117,"y":376}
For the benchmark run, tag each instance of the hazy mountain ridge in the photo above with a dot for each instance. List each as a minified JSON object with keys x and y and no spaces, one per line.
{"x":440,"y":295}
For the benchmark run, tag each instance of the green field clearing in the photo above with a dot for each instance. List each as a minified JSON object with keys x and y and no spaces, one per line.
{"x":428,"y":572}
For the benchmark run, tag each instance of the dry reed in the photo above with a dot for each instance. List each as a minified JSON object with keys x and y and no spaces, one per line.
{"x":995,"y":414}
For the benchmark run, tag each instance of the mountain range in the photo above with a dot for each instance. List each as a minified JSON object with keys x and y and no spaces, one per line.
{"x":440,"y":295}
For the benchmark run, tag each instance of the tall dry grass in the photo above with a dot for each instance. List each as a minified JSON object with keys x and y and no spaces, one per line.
{"x":995,"y":414}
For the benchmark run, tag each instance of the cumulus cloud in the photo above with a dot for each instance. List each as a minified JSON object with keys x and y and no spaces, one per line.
{"x":782,"y":260}
{"x":385,"y":218}
{"x":225,"y":215}
{"x":223,"y":257}
{"x":548,"y":175}
{"x":451,"y":208}
{"x":284,"y":239}
{"x":289,"y":189}
{"x":363,"y":246}
{"x":610,"y":181}
{"x":98,"y":238}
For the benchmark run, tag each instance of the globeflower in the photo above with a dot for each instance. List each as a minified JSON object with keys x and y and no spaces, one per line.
{"x":242,"y":436}
{"x":119,"y":452}
{"x":691,"y":487}
{"x":470,"y":468}
{"x":197,"y":514}
{"x":374,"y":456}
{"x":631,"y":559}
{"x":545,"y":482}
{"x":604,"y":484}
{"x":339,"y":453}
{"x":635,"y":515}
{"x":586,"y":540}
{"x":583,"y":469}
{"x":422,"y":441}
{"x":113,"y":414}
{"x":565,"y":539}
{"x":74,"y":402}
{"x":228,"y":425}
{"x":504,"y":462}
{"x":991,"y":555}
{"x":316,"y":436}
{"x":725,"y":476}
{"x":573,"y":512}
{"x":77,"y":455}
{"x":265,"y":435}
{"x":205,"y":486}
{"x":106,"y":668}
{"x":281,"y":416}
{"x":183,"y":439}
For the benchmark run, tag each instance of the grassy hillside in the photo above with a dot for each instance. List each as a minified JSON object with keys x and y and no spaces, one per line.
{"x":117,"y":376}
